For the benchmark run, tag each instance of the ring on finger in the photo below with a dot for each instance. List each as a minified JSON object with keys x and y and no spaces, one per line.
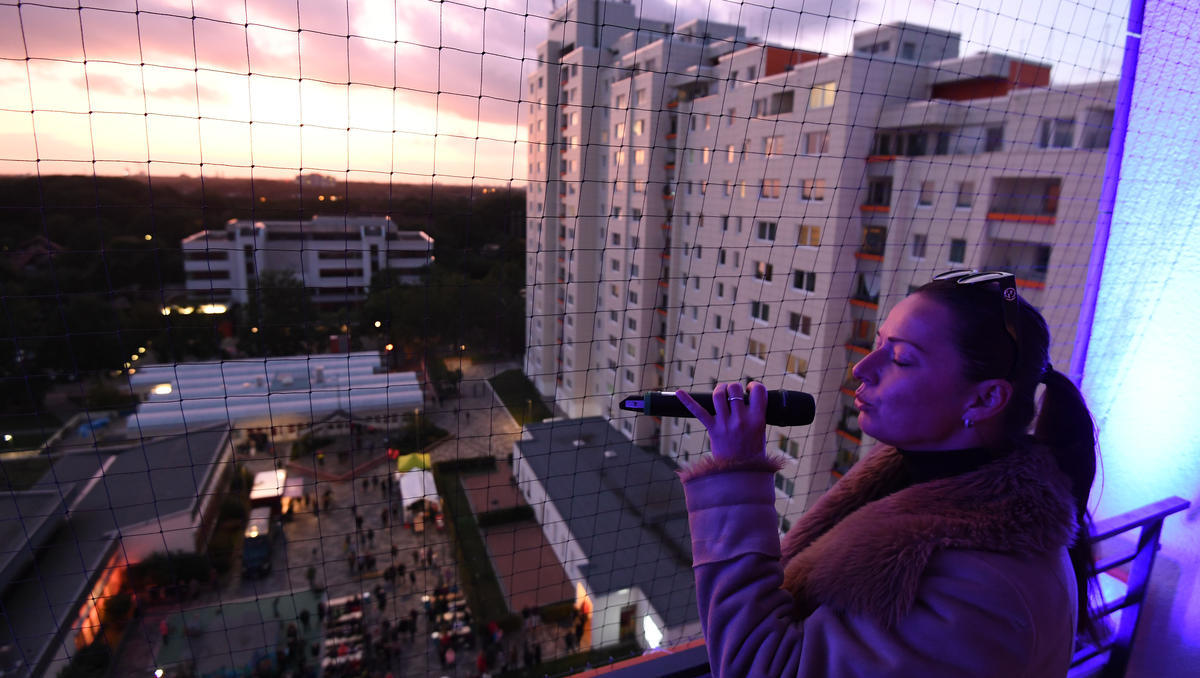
{"x":736,"y":397}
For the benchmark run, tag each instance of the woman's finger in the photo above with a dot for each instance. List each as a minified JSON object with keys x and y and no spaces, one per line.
{"x":701,"y":414}
{"x":756,"y":399}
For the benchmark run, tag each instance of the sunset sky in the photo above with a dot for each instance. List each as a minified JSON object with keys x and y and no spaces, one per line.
{"x":377,"y":90}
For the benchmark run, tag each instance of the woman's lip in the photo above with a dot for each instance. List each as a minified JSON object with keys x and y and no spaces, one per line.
{"x":859,"y":403}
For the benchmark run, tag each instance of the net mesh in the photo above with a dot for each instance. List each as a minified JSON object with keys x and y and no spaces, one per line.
{"x":318,"y":315}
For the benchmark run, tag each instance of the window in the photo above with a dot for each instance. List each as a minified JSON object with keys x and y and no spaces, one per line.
{"x":917,"y":246}
{"x":631,"y":323}
{"x":773,"y":145}
{"x":756,"y":349}
{"x":770,"y":189}
{"x":630,"y":350}
{"x":822,"y":95}
{"x":633,"y":297}
{"x":797,"y":365}
{"x":616,"y":237}
{"x":717,"y":321}
{"x":760,"y":311}
{"x":925,"y":197}
{"x":883,"y":144}
{"x":966,"y":194}
{"x":615,"y":265}
{"x":816,"y":143}
{"x":620,"y":101}
{"x":1097,"y":128}
{"x":763,"y":271}
{"x":805,"y":281}
{"x":879,"y":192}
{"x":639,"y":97}
{"x":942,"y":145}
{"x":1056,"y":133}
{"x":812,"y":189}
{"x":908,"y":51}
{"x":729,"y":116}
{"x":994,"y":140}
{"x":705,"y":154}
{"x":721,"y":257}
{"x":808,"y":236}
{"x":728,"y":189}
{"x":721,"y":289}
{"x":958,"y":251}
{"x":800,"y":323}
{"x":639,"y":157}
{"x":916,"y":144}
{"x":730,"y":155}
{"x":766,"y":230}
{"x":639,"y":126}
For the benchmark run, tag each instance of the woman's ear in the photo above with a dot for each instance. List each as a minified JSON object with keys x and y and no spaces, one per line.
{"x":989,"y":399}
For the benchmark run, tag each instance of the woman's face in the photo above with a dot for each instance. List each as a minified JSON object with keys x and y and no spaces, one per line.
{"x":913,"y":393}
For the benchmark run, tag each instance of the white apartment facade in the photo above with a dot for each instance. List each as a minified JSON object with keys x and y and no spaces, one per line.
{"x":335,"y":257}
{"x":804,"y":195}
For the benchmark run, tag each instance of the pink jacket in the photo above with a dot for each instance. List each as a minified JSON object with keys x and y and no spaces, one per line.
{"x":965,"y":576}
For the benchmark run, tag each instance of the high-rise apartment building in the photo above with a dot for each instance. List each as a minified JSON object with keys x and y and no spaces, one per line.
{"x":705,"y":208}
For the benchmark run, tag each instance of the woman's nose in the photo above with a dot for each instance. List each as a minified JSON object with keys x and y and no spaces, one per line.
{"x":864,"y":370}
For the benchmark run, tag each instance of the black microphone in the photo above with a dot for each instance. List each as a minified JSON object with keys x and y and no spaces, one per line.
{"x":784,"y":408}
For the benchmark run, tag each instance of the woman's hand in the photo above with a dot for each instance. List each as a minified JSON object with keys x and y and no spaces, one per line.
{"x":738,"y":429}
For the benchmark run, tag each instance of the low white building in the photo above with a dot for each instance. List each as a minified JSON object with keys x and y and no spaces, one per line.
{"x":335,"y":257}
{"x":615,"y":517}
{"x":279,"y":394}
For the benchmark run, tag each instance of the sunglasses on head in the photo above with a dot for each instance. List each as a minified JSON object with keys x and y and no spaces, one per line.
{"x":1008,"y":290}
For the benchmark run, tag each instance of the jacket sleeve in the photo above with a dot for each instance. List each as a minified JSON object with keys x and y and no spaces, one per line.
{"x":752,"y":626}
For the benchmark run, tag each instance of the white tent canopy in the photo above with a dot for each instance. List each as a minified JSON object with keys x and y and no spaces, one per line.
{"x":416,"y":485}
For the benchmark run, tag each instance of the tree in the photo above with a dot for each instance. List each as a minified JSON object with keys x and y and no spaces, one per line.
{"x":278,"y":319}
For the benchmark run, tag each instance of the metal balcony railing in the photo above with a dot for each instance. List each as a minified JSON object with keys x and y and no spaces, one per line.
{"x":691,"y":660}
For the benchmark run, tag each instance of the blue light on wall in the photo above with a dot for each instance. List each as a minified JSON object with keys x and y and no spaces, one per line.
{"x":1142,"y":374}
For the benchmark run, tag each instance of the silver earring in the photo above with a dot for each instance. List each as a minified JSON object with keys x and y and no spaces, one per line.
{"x":966,"y":422}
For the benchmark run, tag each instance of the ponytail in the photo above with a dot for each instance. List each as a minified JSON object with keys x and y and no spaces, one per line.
{"x":1065,"y":426}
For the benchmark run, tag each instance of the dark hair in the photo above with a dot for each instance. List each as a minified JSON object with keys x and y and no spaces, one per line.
{"x":1064,"y":424}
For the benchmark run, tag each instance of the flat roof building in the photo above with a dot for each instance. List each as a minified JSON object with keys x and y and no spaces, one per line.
{"x":336,"y":257}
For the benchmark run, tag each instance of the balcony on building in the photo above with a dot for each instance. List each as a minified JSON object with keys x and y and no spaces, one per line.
{"x":879,"y":195}
{"x":873,"y":242}
{"x":1028,"y":261}
{"x":866,"y":291}
{"x":1031,"y":200}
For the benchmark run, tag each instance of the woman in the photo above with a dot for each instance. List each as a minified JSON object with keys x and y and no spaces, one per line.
{"x":955,"y":548}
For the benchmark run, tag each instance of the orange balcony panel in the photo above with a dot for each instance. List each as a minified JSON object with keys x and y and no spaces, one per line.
{"x":877,"y":209}
{"x":664,"y":255}
{"x":562,"y":196}
{"x":867,"y":257}
{"x":880,"y":158}
{"x":666,"y":226}
{"x":672,"y":104}
{"x":669,"y":197}
{"x":1047,"y":219}
{"x":846,"y":391}
{"x":1031,"y":284}
{"x":671,"y":135}
{"x":669,"y":166}
{"x":661,"y":312}
{"x":851,"y":438}
{"x":857,"y":349}
{"x":862,"y":303}
{"x":563,"y":150}
{"x":562,"y":174}
{"x":836,"y":474}
{"x":658,"y":367}
{"x":663,"y":283}
{"x":562,"y":280}
{"x":660,"y":340}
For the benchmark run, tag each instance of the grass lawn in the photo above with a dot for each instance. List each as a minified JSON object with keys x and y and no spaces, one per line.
{"x":523,"y":401}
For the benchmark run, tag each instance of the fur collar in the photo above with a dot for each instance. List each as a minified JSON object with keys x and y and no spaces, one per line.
{"x":863,"y":547}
